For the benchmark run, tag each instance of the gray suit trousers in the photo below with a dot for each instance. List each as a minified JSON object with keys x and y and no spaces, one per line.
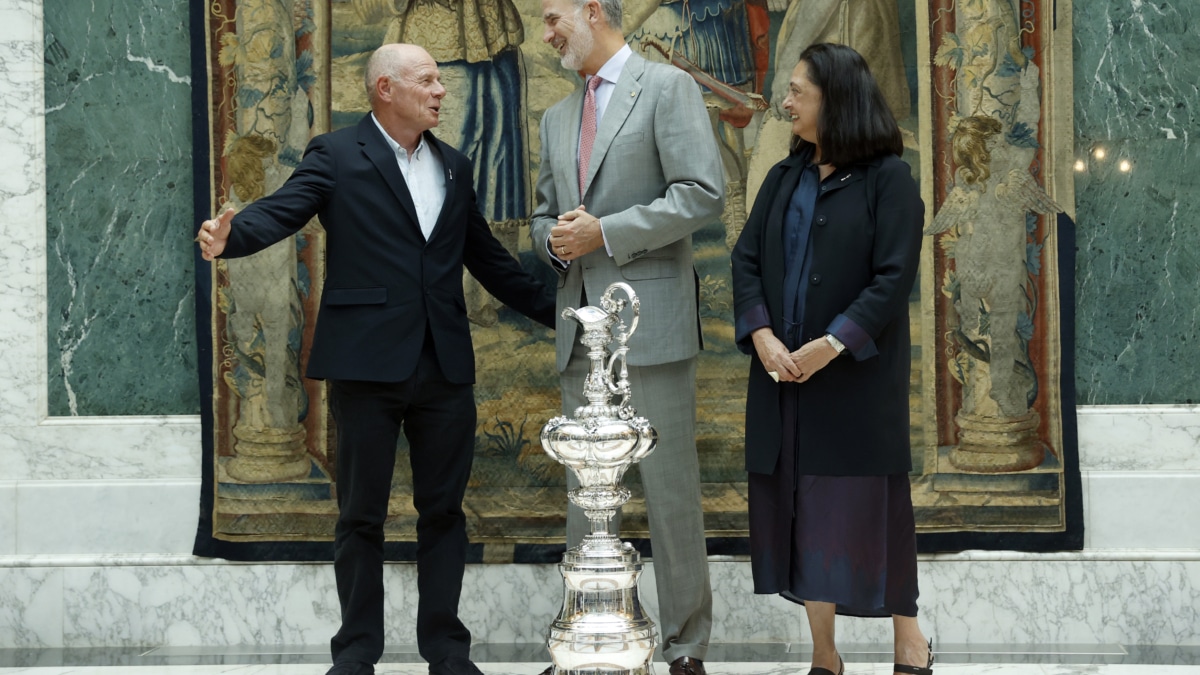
{"x":665,"y":395}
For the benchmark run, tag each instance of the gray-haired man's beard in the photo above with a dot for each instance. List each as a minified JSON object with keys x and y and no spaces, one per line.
{"x":579,"y":45}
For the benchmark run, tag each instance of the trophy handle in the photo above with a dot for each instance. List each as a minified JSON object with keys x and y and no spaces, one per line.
{"x":614,"y":307}
{"x":619,"y":384}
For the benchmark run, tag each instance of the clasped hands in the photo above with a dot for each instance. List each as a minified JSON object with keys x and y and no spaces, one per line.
{"x":797,"y":366}
{"x":576,"y":234}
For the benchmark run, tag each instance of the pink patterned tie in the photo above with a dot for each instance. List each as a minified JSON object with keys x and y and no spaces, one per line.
{"x":587,"y":130}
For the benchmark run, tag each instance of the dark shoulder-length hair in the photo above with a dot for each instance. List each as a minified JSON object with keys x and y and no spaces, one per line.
{"x":855,"y":123}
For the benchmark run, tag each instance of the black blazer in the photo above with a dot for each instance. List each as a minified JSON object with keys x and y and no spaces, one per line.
{"x":866,"y":245}
{"x":384,"y":284}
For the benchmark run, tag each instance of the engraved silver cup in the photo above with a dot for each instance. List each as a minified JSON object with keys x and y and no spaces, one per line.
{"x":601,"y":628}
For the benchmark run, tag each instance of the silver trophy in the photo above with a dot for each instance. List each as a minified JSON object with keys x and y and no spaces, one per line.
{"x":601,"y":628}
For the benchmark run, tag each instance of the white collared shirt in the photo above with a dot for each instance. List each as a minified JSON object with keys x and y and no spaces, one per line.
{"x":424,"y":176}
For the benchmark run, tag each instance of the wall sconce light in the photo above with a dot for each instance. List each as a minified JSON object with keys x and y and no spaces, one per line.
{"x":1125,"y":166}
{"x":1099,"y":153}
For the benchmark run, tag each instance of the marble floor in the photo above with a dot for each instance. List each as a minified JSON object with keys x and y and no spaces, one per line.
{"x":535,"y":668}
{"x":750,"y":659}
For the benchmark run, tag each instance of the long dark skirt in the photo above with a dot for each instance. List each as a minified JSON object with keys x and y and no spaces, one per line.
{"x":849,"y":540}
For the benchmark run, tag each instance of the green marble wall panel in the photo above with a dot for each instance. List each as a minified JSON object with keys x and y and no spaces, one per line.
{"x":121,"y":327}
{"x":1138,"y":259}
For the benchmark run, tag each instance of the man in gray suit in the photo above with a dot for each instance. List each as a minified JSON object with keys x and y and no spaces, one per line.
{"x":629,"y":170}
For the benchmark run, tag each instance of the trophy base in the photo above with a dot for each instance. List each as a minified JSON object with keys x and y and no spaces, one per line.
{"x":601,"y":629}
{"x":626,"y":651}
{"x":644,"y":670}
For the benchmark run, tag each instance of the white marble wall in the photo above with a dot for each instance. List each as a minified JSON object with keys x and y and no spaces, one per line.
{"x":97,"y":515}
{"x":22,"y":210}
{"x":8,"y":518}
{"x":1141,"y":475}
{"x":980,"y":598}
{"x":69,"y":485}
{"x":1139,"y":438}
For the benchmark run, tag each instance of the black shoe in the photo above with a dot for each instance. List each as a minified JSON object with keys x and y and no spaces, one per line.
{"x":548,"y":671}
{"x":916,"y":670}
{"x":454,"y":665}
{"x":826,"y":671}
{"x":686,"y":665}
{"x":351,"y":668}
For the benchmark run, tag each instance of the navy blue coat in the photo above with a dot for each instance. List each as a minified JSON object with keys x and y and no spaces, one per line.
{"x":866,"y":245}
{"x":385,"y":284}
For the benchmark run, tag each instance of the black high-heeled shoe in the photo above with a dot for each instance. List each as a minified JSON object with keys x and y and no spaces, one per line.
{"x":916,"y":670}
{"x":826,"y":671}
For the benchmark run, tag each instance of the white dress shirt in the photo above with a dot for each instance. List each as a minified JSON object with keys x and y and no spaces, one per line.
{"x":424,"y":176}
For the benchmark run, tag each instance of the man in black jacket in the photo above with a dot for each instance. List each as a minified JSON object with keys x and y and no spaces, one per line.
{"x":392,"y":338}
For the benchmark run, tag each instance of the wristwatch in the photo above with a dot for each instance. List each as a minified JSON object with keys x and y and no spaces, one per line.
{"x":835,"y":343}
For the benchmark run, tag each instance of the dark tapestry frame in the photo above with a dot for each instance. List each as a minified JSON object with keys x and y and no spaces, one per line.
{"x":725,"y":538}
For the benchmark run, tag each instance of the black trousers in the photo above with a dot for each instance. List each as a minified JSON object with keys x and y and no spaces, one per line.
{"x":438,"y":419}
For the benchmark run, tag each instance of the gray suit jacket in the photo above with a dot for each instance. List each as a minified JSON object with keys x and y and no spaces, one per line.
{"x":655,"y":177}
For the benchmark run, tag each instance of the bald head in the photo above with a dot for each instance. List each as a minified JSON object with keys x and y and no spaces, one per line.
{"x":391,"y":61}
{"x":405,"y":89}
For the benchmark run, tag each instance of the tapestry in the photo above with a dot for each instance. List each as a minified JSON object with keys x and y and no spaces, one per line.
{"x":981,"y":89}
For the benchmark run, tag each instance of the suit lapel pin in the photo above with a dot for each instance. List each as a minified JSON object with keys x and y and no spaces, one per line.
{"x":844,"y":178}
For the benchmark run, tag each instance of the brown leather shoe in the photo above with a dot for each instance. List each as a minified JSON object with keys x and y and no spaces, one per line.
{"x":686,"y":665}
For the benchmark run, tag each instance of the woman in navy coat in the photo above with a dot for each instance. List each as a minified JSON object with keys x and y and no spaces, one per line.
{"x":821,"y":277}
